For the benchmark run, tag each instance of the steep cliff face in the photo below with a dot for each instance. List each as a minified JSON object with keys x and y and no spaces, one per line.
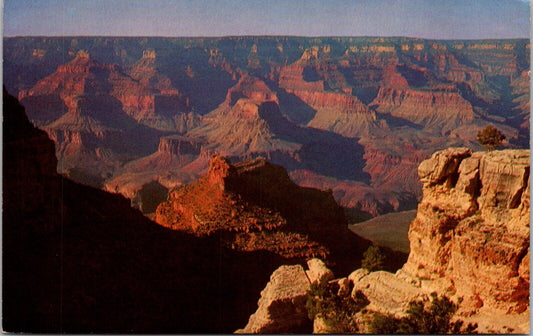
{"x":339,"y":112}
{"x":469,"y":241}
{"x":79,"y":260}
{"x":246,"y":123}
{"x":441,"y":111}
{"x":472,"y":226}
{"x":152,"y":100}
{"x":258,"y":207}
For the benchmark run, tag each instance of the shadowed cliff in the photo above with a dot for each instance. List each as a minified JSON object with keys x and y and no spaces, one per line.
{"x":77,"y":259}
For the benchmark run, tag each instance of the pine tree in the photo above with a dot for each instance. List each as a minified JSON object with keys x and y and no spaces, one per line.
{"x":490,"y":137}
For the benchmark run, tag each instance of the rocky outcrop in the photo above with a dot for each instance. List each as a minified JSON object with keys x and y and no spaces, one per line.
{"x":469,"y":241}
{"x":246,"y":123}
{"x":258,"y":207}
{"x":472,"y":226}
{"x":252,"y":88}
{"x":282,"y":304}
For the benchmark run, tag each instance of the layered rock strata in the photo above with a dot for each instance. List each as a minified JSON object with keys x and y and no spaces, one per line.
{"x":257,"y":207}
{"x":469,"y":241}
{"x":472,"y":226}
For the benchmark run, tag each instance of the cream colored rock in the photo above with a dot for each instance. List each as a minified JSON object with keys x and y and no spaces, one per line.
{"x":386,"y":292}
{"x":282,"y":303}
{"x":318,"y":272}
{"x":441,"y":166}
{"x":320,"y":326}
{"x":344,"y":286}
{"x":472,"y":228}
{"x":358,"y":274}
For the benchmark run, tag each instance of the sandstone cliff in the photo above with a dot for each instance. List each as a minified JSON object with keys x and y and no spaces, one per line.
{"x":472,"y":226}
{"x":469,"y":241}
{"x":281,"y":307}
{"x":441,"y":111}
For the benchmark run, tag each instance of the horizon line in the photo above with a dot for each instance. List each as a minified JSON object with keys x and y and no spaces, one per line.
{"x":271,"y":35}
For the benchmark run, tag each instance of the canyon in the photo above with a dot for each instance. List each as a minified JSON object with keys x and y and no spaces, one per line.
{"x":77,"y":259}
{"x":165,"y":181}
{"x":354,"y":115}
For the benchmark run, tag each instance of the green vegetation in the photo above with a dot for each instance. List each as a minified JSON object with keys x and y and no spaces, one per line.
{"x":389,"y":230}
{"x":373,"y":259}
{"x":432,"y":316}
{"x":490,"y":137}
{"x":337,"y":309}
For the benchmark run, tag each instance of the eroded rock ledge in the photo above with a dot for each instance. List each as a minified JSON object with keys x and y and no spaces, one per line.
{"x":469,"y":241}
{"x":472,"y":227}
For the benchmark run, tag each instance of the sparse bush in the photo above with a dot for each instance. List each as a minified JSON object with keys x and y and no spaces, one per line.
{"x":490,"y":137}
{"x":432,"y":316}
{"x":373,"y":259}
{"x":337,"y":311}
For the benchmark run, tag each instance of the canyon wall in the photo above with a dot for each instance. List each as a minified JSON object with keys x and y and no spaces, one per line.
{"x":469,"y":242}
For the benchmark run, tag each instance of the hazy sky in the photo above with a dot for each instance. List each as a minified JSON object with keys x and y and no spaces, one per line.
{"x":439,"y":19}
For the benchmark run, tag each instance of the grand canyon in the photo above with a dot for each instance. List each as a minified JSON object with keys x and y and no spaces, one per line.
{"x":158,"y":184}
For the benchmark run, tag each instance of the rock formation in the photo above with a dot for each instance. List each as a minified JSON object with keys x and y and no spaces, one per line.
{"x":257,"y":207}
{"x":341,"y":113}
{"x":442,"y":111}
{"x":282,"y":304}
{"x":376,"y":107}
{"x":152,"y":100}
{"x":245,"y":123}
{"x":472,"y":226}
{"x":469,"y":241}
{"x":281,"y":308}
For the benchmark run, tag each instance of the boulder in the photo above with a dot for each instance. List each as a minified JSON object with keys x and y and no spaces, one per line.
{"x":318,"y":272}
{"x":282,"y":304}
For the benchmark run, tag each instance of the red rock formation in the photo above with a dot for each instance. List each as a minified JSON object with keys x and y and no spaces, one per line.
{"x":152,"y":100}
{"x":291,"y":76}
{"x":245,"y":124}
{"x":260,"y":208}
{"x":393,"y":79}
{"x":341,"y":113}
{"x":252,"y":88}
{"x":436,"y":110}
{"x":147,"y":95}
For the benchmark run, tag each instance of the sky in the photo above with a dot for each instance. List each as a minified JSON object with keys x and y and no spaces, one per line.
{"x":434,"y":19}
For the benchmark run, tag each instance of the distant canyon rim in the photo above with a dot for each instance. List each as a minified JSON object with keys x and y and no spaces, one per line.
{"x":355,"y":115}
